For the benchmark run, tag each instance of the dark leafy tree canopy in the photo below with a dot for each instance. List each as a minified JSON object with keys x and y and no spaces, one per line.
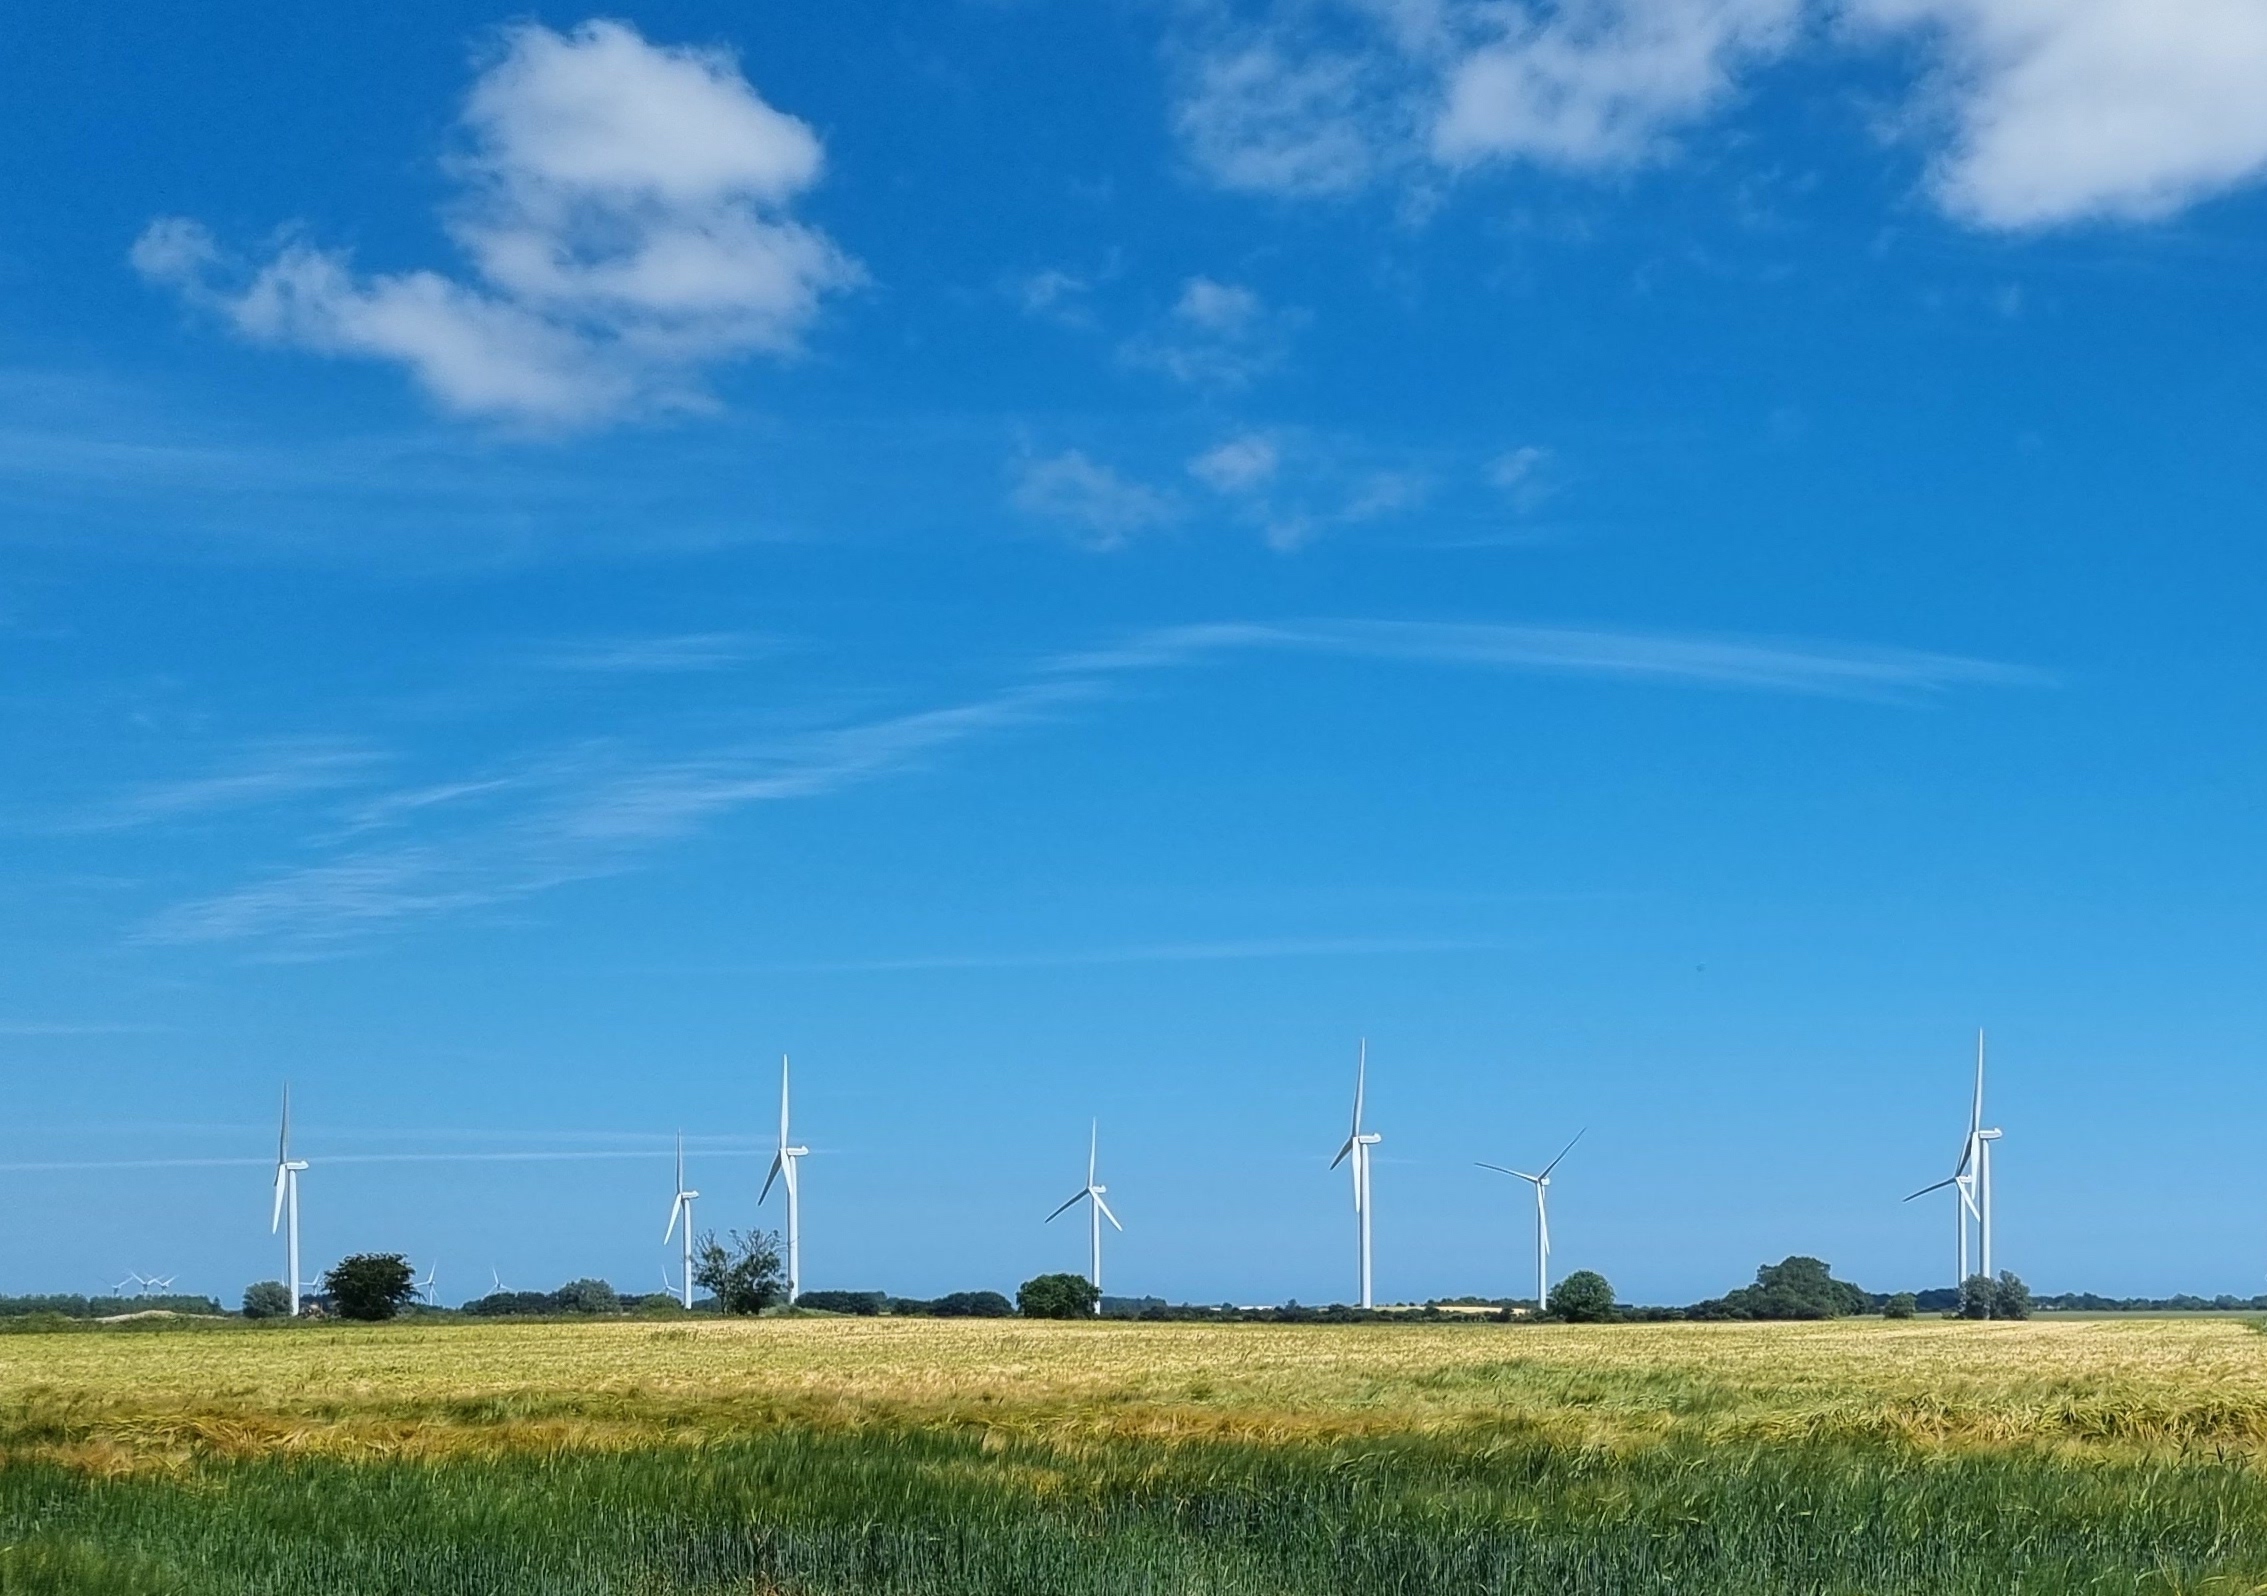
{"x":267,"y":1299}
{"x":1793,"y":1288}
{"x":1057,"y":1297}
{"x":1584,"y":1297}
{"x":586,"y":1296}
{"x":370,"y":1285}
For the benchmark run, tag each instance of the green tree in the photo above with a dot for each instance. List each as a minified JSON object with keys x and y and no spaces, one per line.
{"x":1583,"y":1297}
{"x":1057,"y":1297}
{"x":2010,"y":1298}
{"x":1796,"y":1287}
{"x":744,"y":1277}
{"x":267,"y":1299}
{"x":1976,"y":1295}
{"x":1902,"y":1306}
{"x":370,"y":1285}
{"x":585,"y":1296}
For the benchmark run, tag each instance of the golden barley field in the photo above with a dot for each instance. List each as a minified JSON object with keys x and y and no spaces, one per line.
{"x":124,"y":1400}
{"x":842,"y":1457}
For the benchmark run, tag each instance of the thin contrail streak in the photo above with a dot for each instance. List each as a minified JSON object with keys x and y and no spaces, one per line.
{"x":361,"y":1158}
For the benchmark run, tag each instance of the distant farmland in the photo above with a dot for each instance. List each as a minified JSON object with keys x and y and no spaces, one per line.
{"x":849,"y":1455}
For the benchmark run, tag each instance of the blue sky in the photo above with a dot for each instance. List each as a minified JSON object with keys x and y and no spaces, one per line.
{"x":1662,"y":563}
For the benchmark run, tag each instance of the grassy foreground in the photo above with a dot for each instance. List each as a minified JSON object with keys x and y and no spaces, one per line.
{"x":982,"y":1456}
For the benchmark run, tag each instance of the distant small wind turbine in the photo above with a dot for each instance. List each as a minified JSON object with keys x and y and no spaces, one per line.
{"x":288,"y":1170}
{"x":1358,"y":1145}
{"x":783,"y":1164}
{"x":425,"y":1286}
{"x":158,"y":1283}
{"x":681,"y":1204}
{"x":140,"y":1285}
{"x":1092,"y":1192}
{"x":1542,"y":1185}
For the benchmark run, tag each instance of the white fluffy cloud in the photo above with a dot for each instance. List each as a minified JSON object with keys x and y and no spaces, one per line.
{"x":1599,"y":83}
{"x":1327,"y":94}
{"x":2047,"y":111}
{"x":2062,"y":110}
{"x":626,"y":212}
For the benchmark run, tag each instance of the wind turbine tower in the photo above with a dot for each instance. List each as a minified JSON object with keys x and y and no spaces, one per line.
{"x":1971,"y":1179}
{"x":1358,"y":1145}
{"x":682,"y":1206}
{"x":1542,"y":1185}
{"x":288,"y":1171}
{"x":1092,"y":1192}
{"x":783,"y":1165}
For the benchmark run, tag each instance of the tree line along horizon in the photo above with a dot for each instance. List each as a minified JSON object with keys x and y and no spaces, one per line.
{"x":743,"y":1276}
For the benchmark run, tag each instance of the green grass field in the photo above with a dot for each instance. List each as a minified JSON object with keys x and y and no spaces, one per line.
{"x":980,"y":1456}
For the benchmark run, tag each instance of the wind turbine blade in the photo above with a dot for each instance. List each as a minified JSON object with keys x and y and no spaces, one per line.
{"x":680,"y":1160}
{"x":1342,"y":1152}
{"x":674,"y":1209}
{"x":783,"y":1100}
{"x":1568,"y":1148}
{"x":778,"y":1163}
{"x":275,"y":1219}
{"x":1361,"y":1080}
{"x":1093,"y":1148}
{"x":1106,"y":1214}
{"x":1939,"y":1186}
{"x":1976,"y":1108}
{"x":1058,"y":1213}
{"x":283,"y":1134}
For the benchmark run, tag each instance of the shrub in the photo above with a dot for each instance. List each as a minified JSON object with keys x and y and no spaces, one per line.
{"x":744,"y":1277}
{"x":865,"y":1304}
{"x":370,"y":1285}
{"x":267,"y":1299}
{"x":1584,"y":1297}
{"x":659,"y":1305}
{"x":585,"y":1296}
{"x":972,"y":1305}
{"x":1901,"y":1306}
{"x":510,"y":1304}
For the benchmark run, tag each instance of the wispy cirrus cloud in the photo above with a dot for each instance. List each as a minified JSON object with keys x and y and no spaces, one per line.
{"x":560,"y":818}
{"x":1762,"y":665}
{"x":657,"y":656}
{"x":1097,"y":505}
{"x":488,"y":838}
{"x":267,"y":774}
{"x":1216,"y":335}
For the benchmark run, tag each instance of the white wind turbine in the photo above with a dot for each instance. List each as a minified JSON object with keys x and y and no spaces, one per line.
{"x":1092,"y":1193}
{"x":682,"y":1204}
{"x":1358,"y":1145}
{"x":1971,"y":1179}
{"x":425,"y":1286}
{"x":1542,"y":1185}
{"x":288,"y":1170}
{"x":783,"y":1164}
